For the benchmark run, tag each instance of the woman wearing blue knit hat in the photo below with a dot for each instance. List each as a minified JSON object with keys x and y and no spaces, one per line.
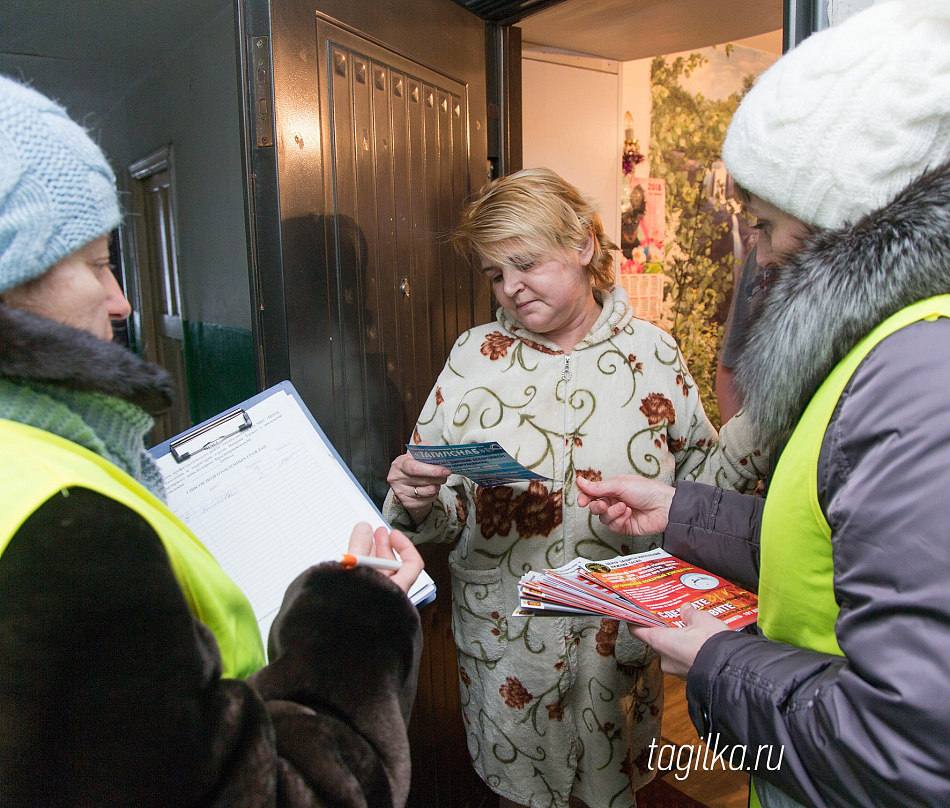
{"x":843,"y":149}
{"x":116,"y":624}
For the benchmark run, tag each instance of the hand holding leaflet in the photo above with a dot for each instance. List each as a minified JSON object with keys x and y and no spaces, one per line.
{"x":678,"y":647}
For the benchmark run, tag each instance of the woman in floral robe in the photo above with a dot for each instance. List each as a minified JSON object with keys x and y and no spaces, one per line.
{"x":557,"y":710}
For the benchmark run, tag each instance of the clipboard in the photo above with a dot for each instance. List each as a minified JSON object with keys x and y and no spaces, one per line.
{"x":269,"y":496}
{"x":208,"y":434}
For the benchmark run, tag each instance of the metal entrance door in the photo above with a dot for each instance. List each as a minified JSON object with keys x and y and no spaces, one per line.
{"x":360,"y":157}
{"x":396,"y":157}
{"x":365,"y":132}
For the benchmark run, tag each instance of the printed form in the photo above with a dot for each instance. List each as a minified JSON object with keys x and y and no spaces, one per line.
{"x":270,"y":501}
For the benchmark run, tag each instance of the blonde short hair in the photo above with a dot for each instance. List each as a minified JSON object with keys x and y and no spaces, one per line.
{"x":527,"y":216}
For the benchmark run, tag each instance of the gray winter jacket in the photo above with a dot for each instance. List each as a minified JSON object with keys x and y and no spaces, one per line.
{"x":871,"y":727}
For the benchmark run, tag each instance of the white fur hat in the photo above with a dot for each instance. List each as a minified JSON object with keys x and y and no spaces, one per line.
{"x":840,"y":125}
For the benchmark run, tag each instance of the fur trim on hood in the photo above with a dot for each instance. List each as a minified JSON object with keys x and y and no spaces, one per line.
{"x":38,"y":350}
{"x":834,"y":293}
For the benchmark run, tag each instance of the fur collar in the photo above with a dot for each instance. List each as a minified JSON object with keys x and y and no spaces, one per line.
{"x":36,"y":350}
{"x":835,"y":292}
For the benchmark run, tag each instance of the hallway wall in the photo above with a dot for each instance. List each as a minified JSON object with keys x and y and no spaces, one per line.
{"x":139,"y":83}
{"x":190,"y":100}
{"x":573,"y":109}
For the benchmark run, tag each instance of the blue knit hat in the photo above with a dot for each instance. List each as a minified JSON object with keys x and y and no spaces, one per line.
{"x":57,"y":191}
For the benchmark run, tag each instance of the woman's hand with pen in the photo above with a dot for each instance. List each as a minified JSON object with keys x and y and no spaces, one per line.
{"x":385,"y":544}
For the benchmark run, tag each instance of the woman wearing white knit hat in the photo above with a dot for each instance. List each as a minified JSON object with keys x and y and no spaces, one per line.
{"x":844,"y":149}
{"x":117,"y":627}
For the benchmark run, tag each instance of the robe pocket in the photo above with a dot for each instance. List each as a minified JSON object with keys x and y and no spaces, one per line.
{"x":631,"y":651}
{"x":479,"y":619}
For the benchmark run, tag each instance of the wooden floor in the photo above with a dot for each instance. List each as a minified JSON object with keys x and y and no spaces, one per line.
{"x":714,"y":789}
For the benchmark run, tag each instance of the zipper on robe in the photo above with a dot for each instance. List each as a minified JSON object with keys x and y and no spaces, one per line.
{"x":566,"y":376}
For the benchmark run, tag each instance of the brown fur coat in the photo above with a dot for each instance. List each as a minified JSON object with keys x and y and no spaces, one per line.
{"x":110,"y":692}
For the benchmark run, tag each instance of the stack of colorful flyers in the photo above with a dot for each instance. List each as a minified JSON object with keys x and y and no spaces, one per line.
{"x":645,"y":588}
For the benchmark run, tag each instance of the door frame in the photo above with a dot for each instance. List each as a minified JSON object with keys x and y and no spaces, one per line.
{"x":802,"y":19}
{"x":151,"y":324}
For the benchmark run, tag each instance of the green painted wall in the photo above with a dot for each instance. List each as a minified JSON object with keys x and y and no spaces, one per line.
{"x":219,"y":362}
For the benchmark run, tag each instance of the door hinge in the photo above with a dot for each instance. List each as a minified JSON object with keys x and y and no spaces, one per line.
{"x":263,"y":112}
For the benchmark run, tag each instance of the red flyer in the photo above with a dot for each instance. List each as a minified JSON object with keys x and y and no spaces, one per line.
{"x":661,"y":583}
{"x":645,"y":588}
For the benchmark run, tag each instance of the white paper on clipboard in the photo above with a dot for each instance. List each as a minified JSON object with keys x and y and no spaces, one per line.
{"x":270,"y":500}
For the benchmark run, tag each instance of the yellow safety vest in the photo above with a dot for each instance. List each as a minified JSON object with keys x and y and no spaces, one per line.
{"x":35,"y":465}
{"x":796,"y":576}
